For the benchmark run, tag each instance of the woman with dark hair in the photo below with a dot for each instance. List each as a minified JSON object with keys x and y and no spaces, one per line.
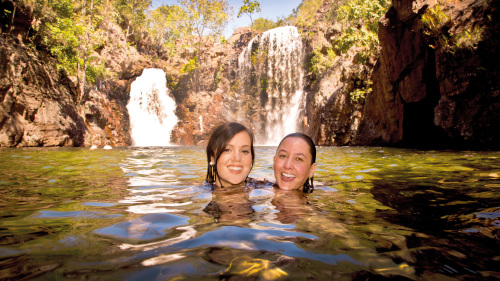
{"x":294,"y":163}
{"x":230,"y":155}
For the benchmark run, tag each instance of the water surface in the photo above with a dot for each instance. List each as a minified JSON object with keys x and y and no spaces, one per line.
{"x":144,"y":214}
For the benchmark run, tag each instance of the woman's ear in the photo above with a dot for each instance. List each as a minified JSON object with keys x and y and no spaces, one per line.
{"x":212,"y":160}
{"x":313,"y":169}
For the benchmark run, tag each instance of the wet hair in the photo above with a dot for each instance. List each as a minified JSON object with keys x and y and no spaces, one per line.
{"x":218,"y":141}
{"x":308,"y":185}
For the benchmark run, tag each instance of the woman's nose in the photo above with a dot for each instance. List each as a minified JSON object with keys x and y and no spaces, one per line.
{"x":236,"y":156}
{"x":288,"y":163}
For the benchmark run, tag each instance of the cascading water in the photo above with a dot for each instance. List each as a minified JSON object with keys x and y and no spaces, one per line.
{"x":151,"y":109}
{"x":271,"y":71}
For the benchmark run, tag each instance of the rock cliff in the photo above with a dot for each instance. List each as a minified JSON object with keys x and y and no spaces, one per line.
{"x":40,"y":106}
{"x":37,"y":103}
{"x":436,"y":83}
{"x":332,"y":116}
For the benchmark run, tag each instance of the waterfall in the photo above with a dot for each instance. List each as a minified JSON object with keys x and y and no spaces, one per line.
{"x":270,"y":75}
{"x":151,"y":109}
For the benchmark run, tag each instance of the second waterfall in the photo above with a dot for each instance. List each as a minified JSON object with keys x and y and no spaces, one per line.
{"x":152,"y":109}
{"x":270,"y":76}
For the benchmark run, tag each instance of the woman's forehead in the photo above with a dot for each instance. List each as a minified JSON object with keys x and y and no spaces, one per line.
{"x":242,"y":136}
{"x":295,"y":145}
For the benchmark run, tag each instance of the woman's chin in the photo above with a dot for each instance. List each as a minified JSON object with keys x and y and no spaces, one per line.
{"x":286,"y":186}
{"x":234,"y":183}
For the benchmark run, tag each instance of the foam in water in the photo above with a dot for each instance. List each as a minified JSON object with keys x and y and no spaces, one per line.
{"x":151,"y":109}
{"x":271,"y":68}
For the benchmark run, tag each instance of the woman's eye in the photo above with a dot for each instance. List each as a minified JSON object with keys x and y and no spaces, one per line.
{"x":282,"y":156}
{"x":299,"y":159}
{"x":245,"y":151}
{"x":227,"y":150}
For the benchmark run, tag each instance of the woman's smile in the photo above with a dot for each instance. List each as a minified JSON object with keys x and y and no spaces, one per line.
{"x":235,"y":169}
{"x":287,"y":177}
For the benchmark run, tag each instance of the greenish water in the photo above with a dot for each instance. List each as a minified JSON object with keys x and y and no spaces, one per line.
{"x":144,"y":214}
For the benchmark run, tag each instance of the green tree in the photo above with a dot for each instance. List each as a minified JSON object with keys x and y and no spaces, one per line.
{"x":249,"y":7}
{"x":62,"y":34}
{"x":166,"y":26}
{"x":71,"y":33}
{"x":205,"y":19}
{"x":89,"y":19}
{"x":263,"y":24}
{"x":133,"y":13}
{"x":359,"y":19}
{"x":304,"y":14}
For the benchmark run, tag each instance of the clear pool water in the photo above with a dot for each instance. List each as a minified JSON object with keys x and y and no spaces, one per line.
{"x":144,"y":214}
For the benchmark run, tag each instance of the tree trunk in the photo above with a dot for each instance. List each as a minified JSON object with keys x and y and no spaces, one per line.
{"x":11,"y":27}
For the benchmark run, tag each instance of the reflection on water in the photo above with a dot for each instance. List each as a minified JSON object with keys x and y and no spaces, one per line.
{"x":144,"y":214}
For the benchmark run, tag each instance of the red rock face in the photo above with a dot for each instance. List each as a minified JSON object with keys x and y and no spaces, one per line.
{"x":33,"y":111}
{"x":430,"y":93}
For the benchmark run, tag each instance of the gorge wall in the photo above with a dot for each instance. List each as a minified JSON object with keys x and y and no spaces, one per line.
{"x":426,"y":93}
{"x":40,"y":106}
{"x":436,"y":86}
{"x":332,"y":117}
{"x":37,"y":104}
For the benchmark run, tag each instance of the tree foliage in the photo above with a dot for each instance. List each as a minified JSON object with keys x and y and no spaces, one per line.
{"x":167,"y":26}
{"x":263,"y":24}
{"x":359,"y":19}
{"x":303,"y":15}
{"x":320,"y":62}
{"x":70,"y":29}
{"x":249,"y":7}
{"x":205,"y":19}
{"x":134,"y":14}
{"x":71,"y":33}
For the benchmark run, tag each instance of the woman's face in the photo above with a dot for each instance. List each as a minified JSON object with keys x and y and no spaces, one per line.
{"x":235,"y":162}
{"x":292,"y":163}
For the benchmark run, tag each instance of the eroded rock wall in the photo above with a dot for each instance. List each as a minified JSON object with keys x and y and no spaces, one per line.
{"x":332,"y":116}
{"x":42,"y":107}
{"x":36,"y":103}
{"x":436,"y":88}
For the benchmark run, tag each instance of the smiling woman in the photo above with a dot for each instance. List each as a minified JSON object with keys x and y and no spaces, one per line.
{"x":295,"y":162}
{"x":230,"y":155}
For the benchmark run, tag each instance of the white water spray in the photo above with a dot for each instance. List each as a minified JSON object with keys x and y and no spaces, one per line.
{"x":151,"y":109}
{"x":273,"y":64}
